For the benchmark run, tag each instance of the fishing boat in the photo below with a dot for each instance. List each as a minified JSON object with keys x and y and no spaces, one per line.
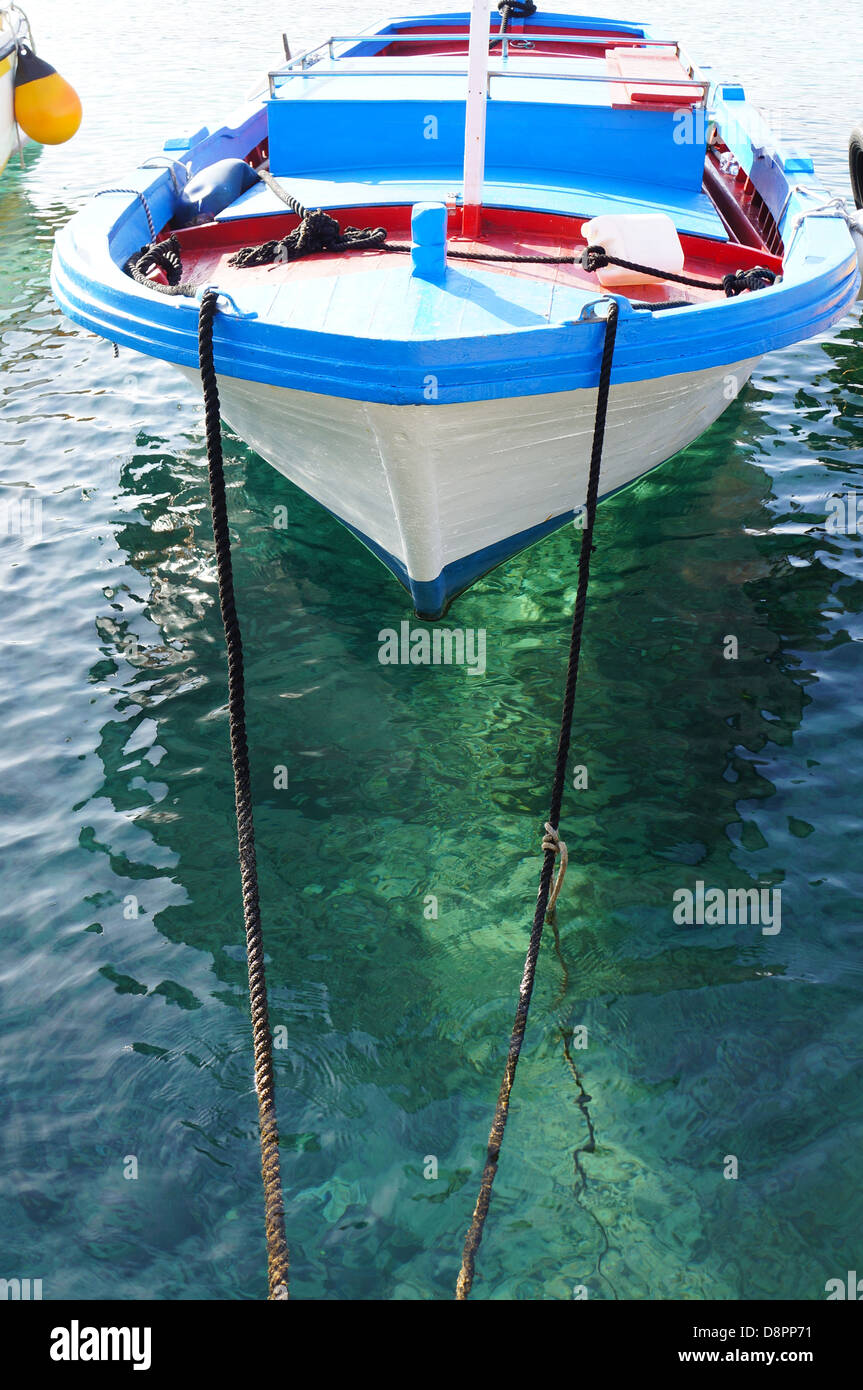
{"x":415,"y":232}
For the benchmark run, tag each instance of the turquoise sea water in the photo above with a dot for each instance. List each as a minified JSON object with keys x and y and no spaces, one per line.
{"x":124,"y":1029}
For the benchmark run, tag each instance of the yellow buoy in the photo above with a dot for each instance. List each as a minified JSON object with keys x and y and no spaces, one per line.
{"x":46,"y":107}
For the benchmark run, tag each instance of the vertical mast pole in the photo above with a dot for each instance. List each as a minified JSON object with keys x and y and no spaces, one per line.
{"x":474,"y":123}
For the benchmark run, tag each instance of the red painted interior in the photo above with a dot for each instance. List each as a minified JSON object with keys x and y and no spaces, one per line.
{"x":207,"y":249}
{"x":517,"y":31}
{"x":640,"y":69}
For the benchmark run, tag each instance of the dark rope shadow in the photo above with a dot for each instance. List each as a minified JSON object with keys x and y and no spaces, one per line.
{"x":582,"y":1100}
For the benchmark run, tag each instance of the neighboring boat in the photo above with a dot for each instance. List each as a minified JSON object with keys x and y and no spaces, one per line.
{"x":441,"y":403}
{"x":855,"y":164}
{"x":33,"y":96}
{"x":13,"y":27}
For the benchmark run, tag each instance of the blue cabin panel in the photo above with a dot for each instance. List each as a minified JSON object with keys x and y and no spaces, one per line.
{"x":325,"y":135}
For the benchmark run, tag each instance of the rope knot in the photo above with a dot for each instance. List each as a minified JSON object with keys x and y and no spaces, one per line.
{"x":553,"y":844}
{"x":318,"y":231}
{"x":516,"y":9}
{"x":594,"y":258}
{"x":755,"y":279}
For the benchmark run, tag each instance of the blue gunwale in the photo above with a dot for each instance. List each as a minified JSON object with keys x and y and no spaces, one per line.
{"x":525,"y":361}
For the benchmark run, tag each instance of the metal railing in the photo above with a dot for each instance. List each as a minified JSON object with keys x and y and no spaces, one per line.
{"x":314,"y":55}
{"x":301,"y":65}
{"x":697,"y":86}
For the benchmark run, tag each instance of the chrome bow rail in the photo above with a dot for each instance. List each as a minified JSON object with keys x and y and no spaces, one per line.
{"x":301,"y":65}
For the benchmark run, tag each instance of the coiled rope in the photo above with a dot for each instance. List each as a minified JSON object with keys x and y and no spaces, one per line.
{"x":551,"y":842}
{"x":317,"y":231}
{"x":277,"y":1248}
{"x":164,"y":256}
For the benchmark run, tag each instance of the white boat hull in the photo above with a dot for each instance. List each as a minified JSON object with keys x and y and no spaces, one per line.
{"x":7,"y":108}
{"x":443,"y":490}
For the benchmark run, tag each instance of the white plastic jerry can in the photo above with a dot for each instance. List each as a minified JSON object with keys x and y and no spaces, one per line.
{"x":648,"y":238}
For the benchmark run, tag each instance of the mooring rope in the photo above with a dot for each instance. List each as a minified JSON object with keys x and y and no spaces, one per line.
{"x":277,"y":1248}
{"x":138,"y":194}
{"x":319,"y":231}
{"x":551,"y":841}
{"x":511,"y":9}
{"x":593,"y":258}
